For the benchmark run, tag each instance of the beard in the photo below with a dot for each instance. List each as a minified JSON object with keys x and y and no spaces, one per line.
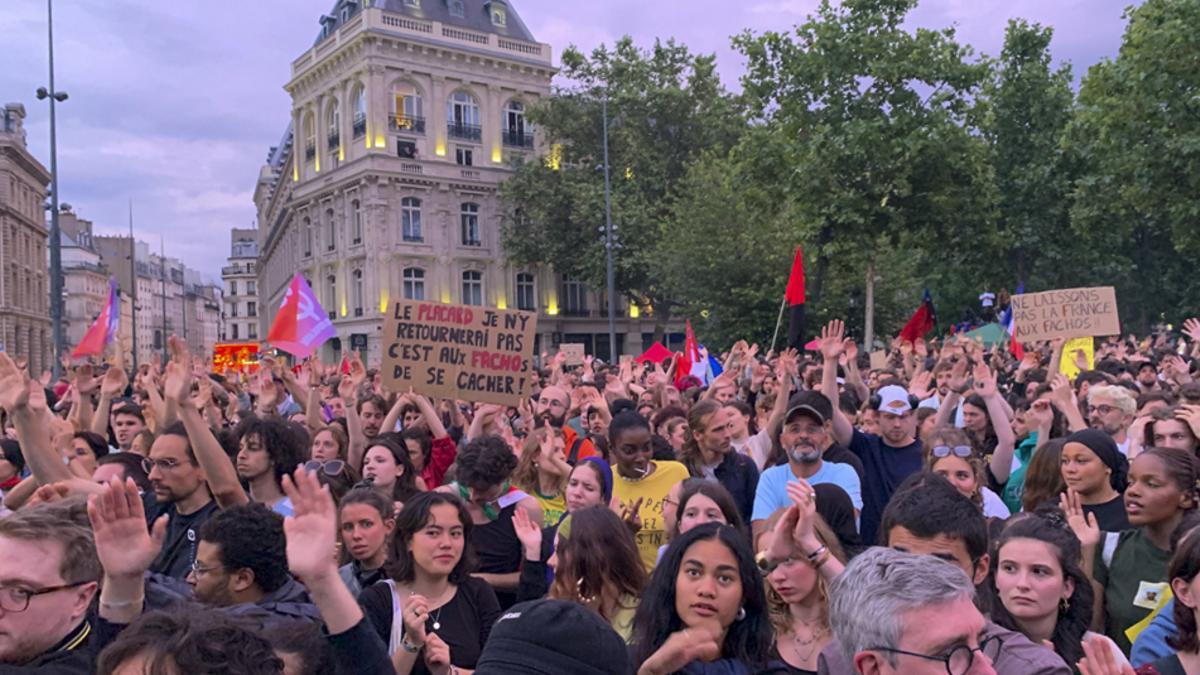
{"x":556,"y":422}
{"x":805,"y":454}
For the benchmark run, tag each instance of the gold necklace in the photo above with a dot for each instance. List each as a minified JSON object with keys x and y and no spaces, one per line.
{"x":806,"y":648}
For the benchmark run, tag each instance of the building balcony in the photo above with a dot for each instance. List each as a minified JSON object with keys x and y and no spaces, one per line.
{"x":229,"y":270}
{"x":406,"y":124}
{"x":517,"y":139}
{"x":465,"y":132}
{"x":576,"y":312}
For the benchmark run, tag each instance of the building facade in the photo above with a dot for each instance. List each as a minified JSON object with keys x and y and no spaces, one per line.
{"x":406,"y":117}
{"x":240,"y":278}
{"x":24,"y":282}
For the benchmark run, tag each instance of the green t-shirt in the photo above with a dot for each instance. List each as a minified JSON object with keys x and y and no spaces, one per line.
{"x":1015,"y":487}
{"x":1133,"y":583}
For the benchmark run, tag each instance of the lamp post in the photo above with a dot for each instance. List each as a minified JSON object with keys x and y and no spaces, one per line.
{"x":609,"y":243}
{"x":56,"y":280}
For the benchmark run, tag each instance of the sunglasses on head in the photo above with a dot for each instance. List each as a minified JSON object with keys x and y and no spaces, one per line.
{"x":940,"y":451}
{"x":333,"y":467}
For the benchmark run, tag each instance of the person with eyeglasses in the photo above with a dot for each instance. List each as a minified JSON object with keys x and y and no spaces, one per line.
{"x":928,"y":517}
{"x":49,"y":573}
{"x":951,"y":456}
{"x":802,"y":437}
{"x":180,"y":492}
{"x":896,"y":612}
{"x":1111,"y":409}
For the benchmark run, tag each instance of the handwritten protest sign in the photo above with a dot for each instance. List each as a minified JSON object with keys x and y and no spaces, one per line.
{"x":457,"y":351}
{"x":573,"y":353}
{"x":1066,"y":313}
{"x":1067,"y":365}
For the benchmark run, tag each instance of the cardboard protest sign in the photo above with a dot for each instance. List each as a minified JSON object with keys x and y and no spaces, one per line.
{"x":1066,"y":313}
{"x":458,"y":351}
{"x":573,"y":352}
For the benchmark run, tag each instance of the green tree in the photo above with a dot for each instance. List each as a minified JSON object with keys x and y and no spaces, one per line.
{"x":1136,"y":134}
{"x":875,"y":118}
{"x":1027,"y":107}
{"x":666,"y":107}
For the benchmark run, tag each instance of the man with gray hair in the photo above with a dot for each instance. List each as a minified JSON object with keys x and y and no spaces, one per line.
{"x":1111,"y":409}
{"x":895,"y":612}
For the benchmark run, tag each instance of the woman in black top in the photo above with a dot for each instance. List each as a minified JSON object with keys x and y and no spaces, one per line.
{"x":432,"y":613}
{"x":1093,"y":467}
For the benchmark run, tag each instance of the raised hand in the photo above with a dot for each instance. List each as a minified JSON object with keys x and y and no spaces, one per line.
{"x":958,"y":376}
{"x":358,"y":372}
{"x":1084,"y":526}
{"x":14,"y":385}
{"x":920,"y":348}
{"x":985,"y":381}
{"x":630,"y":514}
{"x":1191,"y":328}
{"x":529,"y":533}
{"x":831,"y":341}
{"x":85,"y":380}
{"x":125,"y":548}
{"x":921,"y":385}
{"x":1061,"y":393}
{"x":1041,"y":414}
{"x":311,"y":530}
{"x":1098,"y":659}
{"x":114,"y":383}
{"x":1190,"y":415}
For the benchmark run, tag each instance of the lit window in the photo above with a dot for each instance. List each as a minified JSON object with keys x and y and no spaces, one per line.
{"x":462,"y":115}
{"x":498,"y":16}
{"x":408,"y":110}
{"x":472,"y":288}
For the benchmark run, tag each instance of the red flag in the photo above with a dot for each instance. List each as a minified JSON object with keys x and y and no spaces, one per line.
{"x":690,"y":355}
{"x":921,"y":322}
{"x":345,"y":369}
{"x":795,"y":301}
{"x":103,"y":329}
{"x":301,"y":324}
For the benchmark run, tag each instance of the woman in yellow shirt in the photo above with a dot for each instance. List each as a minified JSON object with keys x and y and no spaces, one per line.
{"x":542,"y":472}
{"x":641,"y":485}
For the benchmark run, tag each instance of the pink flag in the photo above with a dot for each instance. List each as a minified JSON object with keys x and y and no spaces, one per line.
{"x":104,"y":328}
{"x":301,"y":326}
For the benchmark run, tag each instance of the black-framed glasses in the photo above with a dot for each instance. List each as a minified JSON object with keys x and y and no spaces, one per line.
{"x":200,"y":570}
{"x":960,"y":659}
{"x":940,"y":451}
{"x":17,"y":599}
{"x":332,"y":467}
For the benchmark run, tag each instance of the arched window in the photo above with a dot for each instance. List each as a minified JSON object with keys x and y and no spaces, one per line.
{"x":517,"y":132}
{"x":469,"y":220}
{"x":359,"y":98}
{"x":331,"y":231}
{"x":462,"y":115}
{"x":357,"y":290}
{"x":408,"y":114}
{"x":472,"y":288}
{"x":414,"y":283}
{"x":526,"y":295}
{"x":356,"y":229}
{"x":334,"y":129}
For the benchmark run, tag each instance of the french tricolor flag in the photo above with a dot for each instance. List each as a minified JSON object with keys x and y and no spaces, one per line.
{"x":1010,"y":326}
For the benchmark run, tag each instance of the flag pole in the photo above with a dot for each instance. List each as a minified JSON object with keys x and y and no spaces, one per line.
{"x":778,"y":321}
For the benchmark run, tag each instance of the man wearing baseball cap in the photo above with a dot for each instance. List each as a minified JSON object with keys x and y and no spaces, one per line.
{"x":889,"y":457}
{"x":802,"y":439}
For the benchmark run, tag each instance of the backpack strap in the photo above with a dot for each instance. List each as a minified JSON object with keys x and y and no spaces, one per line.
{"x":573,"y":456}
{"x":1111,"y":539}
{"x":397,"y":634}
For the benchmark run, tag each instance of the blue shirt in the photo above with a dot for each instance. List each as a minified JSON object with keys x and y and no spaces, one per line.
{"x":772,"y":486}
{"x":1151,"y":644}
{"x":886,"y":467}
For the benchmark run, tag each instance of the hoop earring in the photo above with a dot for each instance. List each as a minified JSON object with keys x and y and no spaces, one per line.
{"x":741,"y":614}
{"x":587,"y":599}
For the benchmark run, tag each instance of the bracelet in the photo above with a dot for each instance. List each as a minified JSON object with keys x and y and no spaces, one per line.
{"x":410,"y":647}
{"x":813,"y":556}
{"x":817,"y":564}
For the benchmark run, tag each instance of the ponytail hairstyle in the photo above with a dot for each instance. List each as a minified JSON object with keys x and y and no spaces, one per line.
{"x":1049,"y":525}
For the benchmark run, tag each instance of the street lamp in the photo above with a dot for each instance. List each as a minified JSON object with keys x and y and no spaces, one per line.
{"x":608,"y":243}
{"x":56,"y":280}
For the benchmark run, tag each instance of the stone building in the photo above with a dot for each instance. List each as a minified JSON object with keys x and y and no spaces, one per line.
{"x":240,"y":277}
{"x":24,"y":282}
{"x":406,"y":116}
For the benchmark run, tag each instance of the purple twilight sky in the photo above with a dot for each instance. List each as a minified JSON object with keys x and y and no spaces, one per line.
{"x":174,"y":104}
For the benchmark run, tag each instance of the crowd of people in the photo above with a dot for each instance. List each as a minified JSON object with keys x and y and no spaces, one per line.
{"x":958,"y":510}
